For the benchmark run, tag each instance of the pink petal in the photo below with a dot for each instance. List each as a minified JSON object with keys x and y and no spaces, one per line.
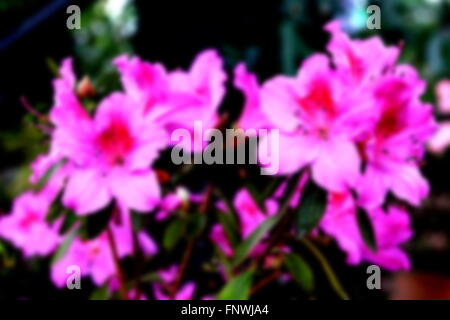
{"x":139,"y":190}
{"x":278,"y":102}
{"x":409,"y":184}
{"x":86,"y":191}
{"x":338,"y":165}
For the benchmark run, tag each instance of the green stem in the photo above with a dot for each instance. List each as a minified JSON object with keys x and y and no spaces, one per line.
{"x":331,"y":275}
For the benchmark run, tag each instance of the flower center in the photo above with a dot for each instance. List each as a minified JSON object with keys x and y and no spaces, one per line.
{"x":317,"y":109}
{"x":115,"y":142}
{"x":393,"y":98}
{"x":30,"y":219}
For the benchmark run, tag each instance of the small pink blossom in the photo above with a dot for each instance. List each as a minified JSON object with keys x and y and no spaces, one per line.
{"x":168,"y":277}
{"x":94,"y":257}
{"x":219,"y":237}
{"x":392,"y":228}
{"x":172,"y":201}
{"x":250,"y":215}
{"x":26,"y":226}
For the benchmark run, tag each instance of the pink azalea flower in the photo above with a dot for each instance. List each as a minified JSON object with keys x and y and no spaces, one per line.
{"x":172,"y":201}
{"x":110,"y":153}
{"x":26,"y":226}
{"x":250,"y":215}
{"x":168,"y":276}
{"x":397,"y":143}
{"x":94,"y":257}
{"x":178,"y":98}
{"x":146,"y":83}
{"x":392,"y":228}
{"x":297,"y":196}
{"x":252,"y":117}
{"x":319,"y":120}
{"x":168,"y":204}
{"x":360,"y":61}
{"x":196,"y":96}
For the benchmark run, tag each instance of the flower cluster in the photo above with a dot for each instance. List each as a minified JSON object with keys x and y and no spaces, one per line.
{"x":351,"y":122}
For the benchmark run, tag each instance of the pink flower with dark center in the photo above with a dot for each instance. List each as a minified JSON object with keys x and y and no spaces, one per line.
{"x":26,"y":226}
{"x":319,"y":119}
{"x":360,"y":62}
{"x":109,"y":154}
{"x":393,"y":151}
{"x":178,"y":98}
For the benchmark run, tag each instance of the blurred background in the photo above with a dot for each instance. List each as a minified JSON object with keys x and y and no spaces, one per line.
{"x":270,"y":36}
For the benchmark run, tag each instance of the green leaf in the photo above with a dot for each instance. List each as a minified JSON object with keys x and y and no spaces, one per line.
{"x":366,"y":229}
{"x":56,"y":210}
{"x":2,"y":249}
{"x":138,"y":220}
{"x":65,"y":245}
{"x":101,"y":293}
{"x":300,"y":271}
{"x":48,"y":174}
{"x":228,"y":219}
{"x":196,"y":224}
{"x":245,"y":247}
{"x":52,"y":66}
{"x":151,"y":277}
{"x":291,"y":189}
{"x":238,"y":288}
{"x":229,"y":224}
{"x":271,"y":187}
{"x":69,"y":220}
{"x":173,"y":233}
{"x":311,"y":208}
